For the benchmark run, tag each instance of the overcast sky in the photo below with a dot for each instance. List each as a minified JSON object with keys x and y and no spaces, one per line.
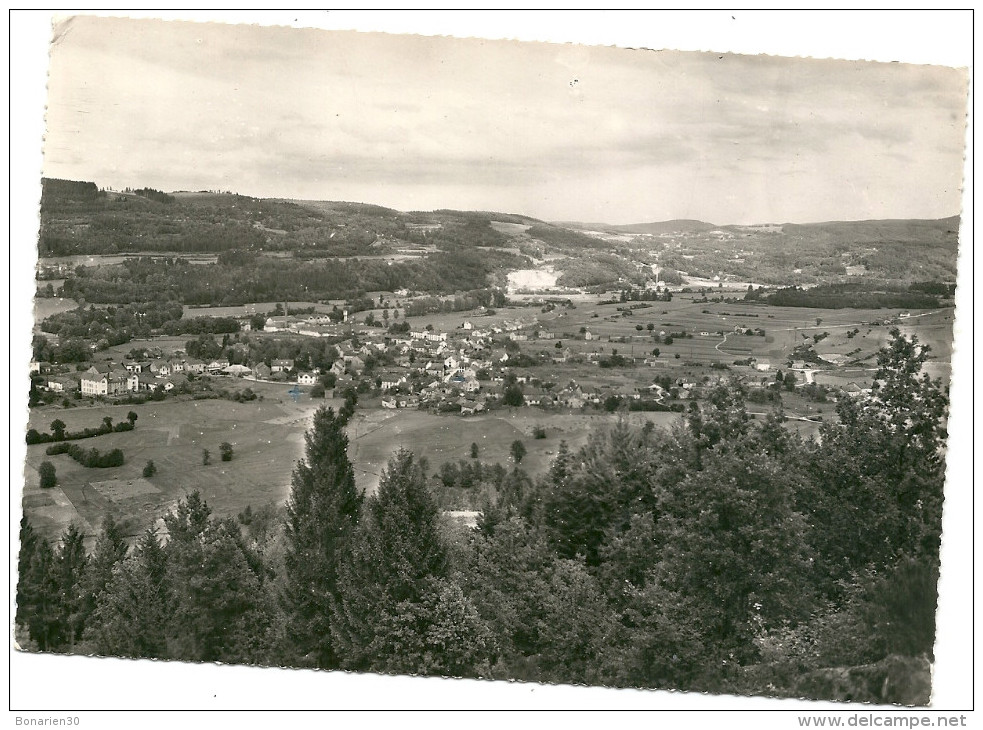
{"x":559,"y":132}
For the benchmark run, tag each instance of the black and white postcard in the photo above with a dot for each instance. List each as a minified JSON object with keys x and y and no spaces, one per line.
{"x":394,"y":364}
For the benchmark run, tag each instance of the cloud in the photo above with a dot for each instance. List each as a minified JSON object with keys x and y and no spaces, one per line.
{"x":290,"y":112}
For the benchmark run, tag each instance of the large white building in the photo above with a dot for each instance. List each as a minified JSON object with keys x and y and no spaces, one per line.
{"x":104,"y":383}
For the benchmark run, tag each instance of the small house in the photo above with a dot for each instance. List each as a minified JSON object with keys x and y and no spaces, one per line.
{"x":160,"y":368}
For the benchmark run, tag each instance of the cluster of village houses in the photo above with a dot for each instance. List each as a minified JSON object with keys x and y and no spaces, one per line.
{"x":436,"y":369}
{"x":463,"y":370}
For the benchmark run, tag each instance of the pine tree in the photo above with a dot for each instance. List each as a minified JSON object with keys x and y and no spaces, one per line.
{"x":40,"y":601}
{"x":152,"y":557}
{"x":361,"y":590}
{"x":189,"y":520}
{"x":70,"y":565}
{"x":217,"y":610}
{"x":875,"y":490}
{"x":110,"y":551}
{"x":735,"y":550}
{"x":321,"y":514}
{"x":441,"y":634}
{"x":130,"y":615}
{"x":395,"y":551}
{"x":407,"y":516}
{"x":612,"y":477}
{"x":548,"y":615}
{"x":49,"y":591}
{"x":723,"y":419}
{"x":202,"y":597}
{"x":506,"y":575}
{"x":28,"y":545}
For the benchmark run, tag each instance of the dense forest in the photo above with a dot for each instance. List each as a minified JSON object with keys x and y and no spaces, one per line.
{"x":858,"y":296}
{"x":565,"y":238}
{"x":241,"y":280}
{"x":722,"y":554}
{"x":121,"y":323}
{"x":78,"y":218}
{"x":590,"y":269}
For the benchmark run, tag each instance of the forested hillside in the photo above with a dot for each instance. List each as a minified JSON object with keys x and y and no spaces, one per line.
{"x":251,"y":279}
{"x":78,"y":218}
{"x":332,"y":249}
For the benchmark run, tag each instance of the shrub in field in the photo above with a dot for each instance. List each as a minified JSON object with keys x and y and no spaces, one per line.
{"x":517,"y":450}
{"x":47,"y":473}
{"x":90,"y":458}
{"x":59,"y":434}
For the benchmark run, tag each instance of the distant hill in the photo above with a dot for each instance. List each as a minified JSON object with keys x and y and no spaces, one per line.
{"x":656,"y":228}
{"x":681,"y":225}
{"x":439,"y":215}
{"x":582,"y":225}
{"x":868,"y":231}
{"x":208,"y":197}
{"x":79,"y":218}
{"x":483,"y":214}
{"x":341,"y":206}
{"x":872,"y":231}
{"x":829,"y":252}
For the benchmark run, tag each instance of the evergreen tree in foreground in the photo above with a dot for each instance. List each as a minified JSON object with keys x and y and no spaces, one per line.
{"x":49,"y":588}
{"x":110,"y":551}
{"x":130,"y":614}
{"x":395,"y":556}
{"x":37,"y":600}
{"x":28,"y":541}
{"x":321,"y":514}
{"x":71,"y":562}
{"x":218,"y":608}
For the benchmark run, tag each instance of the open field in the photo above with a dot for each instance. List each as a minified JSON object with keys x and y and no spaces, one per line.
{"x":440,"y":321}
{"x":510,"y":229}
{"x":113,"y":259}
{"x":268,"y":438}
{"x":248,"y":310}
{"x":45,"y":307}
{"x":785,"y":327}
{"x":375,"y":434}
{"x":454,"y":320}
